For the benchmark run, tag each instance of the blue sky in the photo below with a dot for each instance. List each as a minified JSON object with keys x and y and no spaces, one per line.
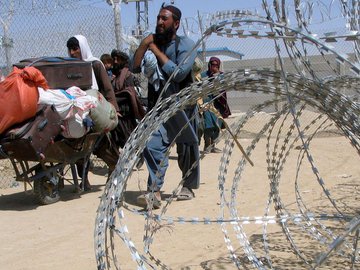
{"x":189,"y":8}
{"x":325,"y":14}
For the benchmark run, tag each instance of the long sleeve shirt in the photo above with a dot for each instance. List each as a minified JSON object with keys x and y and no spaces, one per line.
{"x":175,"y":58}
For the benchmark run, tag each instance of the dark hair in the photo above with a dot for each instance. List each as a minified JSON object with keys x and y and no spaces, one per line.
{"x":73,"y":43}
{"x":120,"y":54}
{"x":106,"y":58}
{"x":176,"y":13}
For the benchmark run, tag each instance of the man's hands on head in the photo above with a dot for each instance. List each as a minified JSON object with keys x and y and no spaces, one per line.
{"x":147,"y":41}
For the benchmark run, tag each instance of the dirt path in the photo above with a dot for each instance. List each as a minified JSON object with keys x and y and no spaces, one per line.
{"x":60,"y":236}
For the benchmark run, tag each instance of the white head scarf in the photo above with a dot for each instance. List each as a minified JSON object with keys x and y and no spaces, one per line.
{"x":87,"y":56}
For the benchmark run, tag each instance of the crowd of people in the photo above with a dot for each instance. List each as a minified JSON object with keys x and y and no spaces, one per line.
{"x":157,"y":57}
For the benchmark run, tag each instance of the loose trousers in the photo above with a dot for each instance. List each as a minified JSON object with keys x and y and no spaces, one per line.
{"x":187,"y":149}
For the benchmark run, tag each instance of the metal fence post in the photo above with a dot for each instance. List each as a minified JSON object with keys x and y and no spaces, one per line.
{"x":117,"y":21}
{"x":7,"y":44}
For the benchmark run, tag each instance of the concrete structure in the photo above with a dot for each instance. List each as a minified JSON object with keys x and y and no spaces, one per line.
{"x":241,"y":102}
{"x":223,"y":51}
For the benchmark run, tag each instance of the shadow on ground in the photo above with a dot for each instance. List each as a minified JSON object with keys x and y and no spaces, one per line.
{"x":26,"y":200}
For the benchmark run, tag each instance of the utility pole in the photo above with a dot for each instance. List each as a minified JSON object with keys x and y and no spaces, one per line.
{"x":142,"y":17}
{"x":117,"y":21}
{"x":5,"y":41}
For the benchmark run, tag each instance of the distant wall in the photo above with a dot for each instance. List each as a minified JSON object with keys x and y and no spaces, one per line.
{"x":318,"y":64}
{"x":241,"y":102}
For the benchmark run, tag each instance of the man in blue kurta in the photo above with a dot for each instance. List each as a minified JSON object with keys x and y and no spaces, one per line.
{"x":170,"y":49}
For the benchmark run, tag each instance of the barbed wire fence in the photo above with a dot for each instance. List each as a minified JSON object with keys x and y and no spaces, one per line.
{"x":41,"y":28}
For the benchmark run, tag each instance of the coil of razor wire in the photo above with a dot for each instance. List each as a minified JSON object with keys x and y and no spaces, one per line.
{"x":296,"y":93}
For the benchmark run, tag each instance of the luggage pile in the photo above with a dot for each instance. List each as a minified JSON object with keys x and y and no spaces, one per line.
{"x":47,"y":99}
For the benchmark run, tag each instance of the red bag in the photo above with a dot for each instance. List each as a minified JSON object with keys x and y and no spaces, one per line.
{"x":19,"y":96}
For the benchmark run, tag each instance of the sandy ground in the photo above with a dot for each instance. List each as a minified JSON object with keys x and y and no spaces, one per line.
{"x":60,"y":236}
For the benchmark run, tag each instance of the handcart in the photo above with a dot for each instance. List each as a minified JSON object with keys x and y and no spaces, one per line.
{"x":47,"y":174}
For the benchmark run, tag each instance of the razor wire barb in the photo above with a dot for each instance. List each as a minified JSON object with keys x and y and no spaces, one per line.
{"x":297,"y":92}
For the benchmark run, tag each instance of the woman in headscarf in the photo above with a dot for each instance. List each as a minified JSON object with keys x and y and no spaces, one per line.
{"x":107,"y":150}
{"x":220,"y":102}
{"x":212,"y":121}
